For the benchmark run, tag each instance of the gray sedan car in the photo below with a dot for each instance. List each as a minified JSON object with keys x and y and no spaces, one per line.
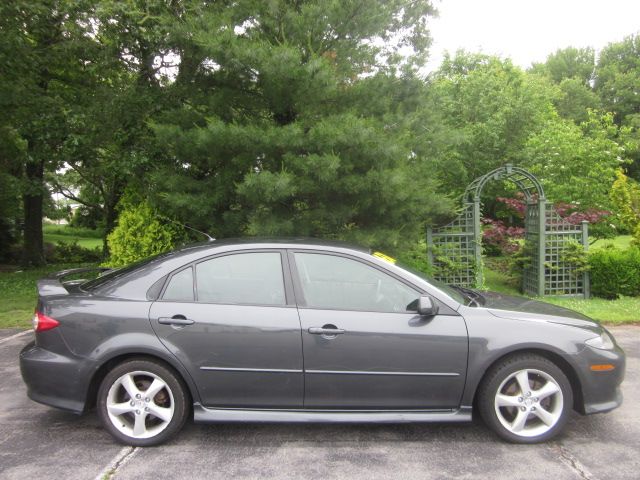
{"x":308,"y":331}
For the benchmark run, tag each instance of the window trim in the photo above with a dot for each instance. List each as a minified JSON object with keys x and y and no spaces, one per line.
{"x":299,"y":292}
{"x":284,"y":267}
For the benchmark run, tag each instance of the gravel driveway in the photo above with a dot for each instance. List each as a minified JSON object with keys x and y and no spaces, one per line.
{"x":40,"y":442}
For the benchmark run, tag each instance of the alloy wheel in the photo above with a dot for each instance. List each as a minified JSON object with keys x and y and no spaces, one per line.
{"x":140,"y":404}
{"x":529,"y":402}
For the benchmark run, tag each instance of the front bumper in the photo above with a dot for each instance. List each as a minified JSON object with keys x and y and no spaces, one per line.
{"x":600,"y":389}
{"x":52,"y":379}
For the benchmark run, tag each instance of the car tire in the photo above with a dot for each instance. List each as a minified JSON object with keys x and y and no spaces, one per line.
{"x":142,"y":403}
{"x":525,"y":398}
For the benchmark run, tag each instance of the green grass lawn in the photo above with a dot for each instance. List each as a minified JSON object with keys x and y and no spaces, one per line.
{"x":18,"y":294}
{"x":621,"y":241}
{"x":63,"y":233}
{"x":613,"y":312}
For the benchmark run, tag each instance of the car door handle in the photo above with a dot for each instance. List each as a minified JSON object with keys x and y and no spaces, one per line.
{"x":176,"y":320}
{"x":325,"y":331}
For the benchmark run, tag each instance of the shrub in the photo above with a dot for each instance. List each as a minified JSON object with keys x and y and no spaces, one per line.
{"x":63,"y":252}
{"x":416,"y":258}
{"x":139,"y":234}
{"x":615,"y":272}
{"x":498,"y":239}
{"x":625,"y":196}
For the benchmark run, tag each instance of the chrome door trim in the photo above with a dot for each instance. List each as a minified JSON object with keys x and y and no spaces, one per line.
{"x":259,"y":370}
{"x":365,"y":372}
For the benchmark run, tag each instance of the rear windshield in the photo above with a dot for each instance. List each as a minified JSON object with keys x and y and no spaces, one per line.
{"x":118,"y":273}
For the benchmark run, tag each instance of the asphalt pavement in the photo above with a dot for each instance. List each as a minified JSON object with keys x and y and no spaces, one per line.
{"x":41,"y":442}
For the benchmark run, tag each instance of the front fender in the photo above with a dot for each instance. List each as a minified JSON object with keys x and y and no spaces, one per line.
{"x":492,"y":338}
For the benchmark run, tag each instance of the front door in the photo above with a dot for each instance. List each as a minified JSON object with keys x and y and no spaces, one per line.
{"x":363,"y":346}
{"x":229,"y":320}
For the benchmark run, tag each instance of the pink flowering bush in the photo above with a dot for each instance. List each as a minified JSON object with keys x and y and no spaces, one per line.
{"x":499,"y":239}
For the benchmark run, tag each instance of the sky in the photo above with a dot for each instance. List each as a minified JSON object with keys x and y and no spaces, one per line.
{"x":528,"y":30}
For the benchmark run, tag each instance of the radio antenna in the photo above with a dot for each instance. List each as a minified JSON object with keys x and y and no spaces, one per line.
{"x":209,"y":237}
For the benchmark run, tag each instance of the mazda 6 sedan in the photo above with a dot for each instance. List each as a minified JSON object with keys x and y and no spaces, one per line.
{"x":308,"y":331}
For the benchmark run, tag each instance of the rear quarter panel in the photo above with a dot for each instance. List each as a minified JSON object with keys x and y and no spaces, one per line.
{"x":96,"y":330}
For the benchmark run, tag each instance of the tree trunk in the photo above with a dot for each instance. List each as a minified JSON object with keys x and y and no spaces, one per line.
{"x":33,"y":252}
{"x":110,"y":217}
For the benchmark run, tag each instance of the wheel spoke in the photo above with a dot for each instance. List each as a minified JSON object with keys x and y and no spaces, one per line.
{"x":507,"y":401}
{"x":118,"y":409}
{"x":520,"y":421}
{"x":139,"y":427}
{"x":547,"y":390}
{"x":162,"y":413}
{"x":547,"y":417}
{"x":130,"y":386}
{"x":523,"y":381}
{"x":154,"y":388}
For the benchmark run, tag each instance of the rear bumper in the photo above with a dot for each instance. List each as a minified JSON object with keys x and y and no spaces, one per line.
{"x":52,"y":379}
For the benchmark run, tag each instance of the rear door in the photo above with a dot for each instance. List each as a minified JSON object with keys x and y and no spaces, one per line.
{"x":231,"y":320}
{"x":365,"y":347}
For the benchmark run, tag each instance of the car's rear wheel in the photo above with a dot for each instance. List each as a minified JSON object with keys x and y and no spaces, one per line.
{"x":142,"y":403}
{"x":525,"y":399}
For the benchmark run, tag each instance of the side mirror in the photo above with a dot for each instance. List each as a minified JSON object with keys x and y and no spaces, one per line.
{"x":426,"y":306}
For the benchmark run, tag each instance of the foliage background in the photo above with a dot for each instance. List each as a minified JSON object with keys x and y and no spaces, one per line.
{"x":286,"y":117}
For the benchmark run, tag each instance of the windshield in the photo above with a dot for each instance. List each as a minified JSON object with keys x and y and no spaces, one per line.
{"x":451,"y":291}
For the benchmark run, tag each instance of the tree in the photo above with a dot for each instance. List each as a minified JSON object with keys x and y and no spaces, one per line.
{"x":573,"y":71}
{"x":478,"y":113}
{"x":42,"y":61}
{"x":576,"y":164}
{"x":576,"y":100}
{"x":276,"y":135}
{"x":618,"y":85}
{"x":108,"y":146}
{"x":569,"y":63}
{"x":618,"y":78}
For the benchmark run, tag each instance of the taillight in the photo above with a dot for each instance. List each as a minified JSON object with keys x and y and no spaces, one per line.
{"x":42,"y":323}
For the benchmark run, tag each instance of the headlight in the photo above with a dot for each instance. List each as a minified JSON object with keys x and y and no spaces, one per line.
{"x":603,"y":342}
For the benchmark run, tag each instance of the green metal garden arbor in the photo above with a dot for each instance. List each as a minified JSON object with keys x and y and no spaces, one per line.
{"x":455,"y":250}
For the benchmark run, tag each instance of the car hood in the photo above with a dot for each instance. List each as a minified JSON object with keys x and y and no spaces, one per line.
{"x":510,"y":306}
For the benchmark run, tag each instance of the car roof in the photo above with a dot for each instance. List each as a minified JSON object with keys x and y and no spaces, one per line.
{"x":270,"y":242}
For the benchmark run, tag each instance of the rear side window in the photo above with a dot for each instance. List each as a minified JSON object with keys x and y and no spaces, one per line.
{"x":180,"y":287}
{"x":245,"y":278}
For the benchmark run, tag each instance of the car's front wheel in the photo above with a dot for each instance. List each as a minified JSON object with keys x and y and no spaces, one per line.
{"x":525,"y":399}
{"x":142,"y":403}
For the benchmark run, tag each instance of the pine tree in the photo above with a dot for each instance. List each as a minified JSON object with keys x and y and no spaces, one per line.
{"x":289,"y":121}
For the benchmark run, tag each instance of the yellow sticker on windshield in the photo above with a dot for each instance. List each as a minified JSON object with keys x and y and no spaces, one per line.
{"x":384,"y":257}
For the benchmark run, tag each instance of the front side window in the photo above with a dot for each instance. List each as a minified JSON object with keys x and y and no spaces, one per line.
{"x":244,"y":278}
{"x":340,"y":283}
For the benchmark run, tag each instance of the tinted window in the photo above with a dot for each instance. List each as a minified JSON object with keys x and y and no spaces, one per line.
{"x":251,"y":278}
{"x":341,"y":283}
{"x":180,"y":288}
{"x":115,"y":274}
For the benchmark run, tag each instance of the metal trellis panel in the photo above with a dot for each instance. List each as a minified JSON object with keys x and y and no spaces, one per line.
{"x":455,"y":250}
